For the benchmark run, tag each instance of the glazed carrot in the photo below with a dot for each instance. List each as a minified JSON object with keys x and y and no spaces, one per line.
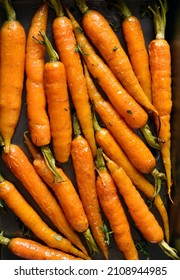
{"x":38,"y":120}
{"x":160,"y":67}
{"x":113,"y":209}
{"x":126,"y":106}
{"x":65,"y":42}
{"x":111,"y":148}
{"x":33,"y":250}
{"x":141,"y":158}
{"x":21,"y":167}
{"x":142,"y":216}
{"x":84,"y":168}
{"x":12,"y":57}
{"x":33,"y":221}
{"x":98,"y":30}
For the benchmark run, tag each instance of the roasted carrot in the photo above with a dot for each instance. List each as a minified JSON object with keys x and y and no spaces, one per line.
{"x":111,"y":148}
{"x":160,"y":67}
{"x":38,"y":121}
{"x":84,"y":168}
{"x":12,"y":57}
{"x":113,"y":209}
{"x":32,"y":250}
{"x":21,"y":167}
{"x":65,"y":42}
{"x":142,"y":216}
{"x":126,"y":106}
{"x":15,"y":201}
{"x":98,"y":30}
{"x":66,"y":195}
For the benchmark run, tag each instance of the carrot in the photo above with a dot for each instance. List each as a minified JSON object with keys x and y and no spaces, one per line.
{"x":21,"y":167}
{"x":111,"y":148}
{"x":33,"y":250}
{"x":84,"y":168}
{"x":160,"y":67}
{"x":38,"y":120}
{"x":143,"y":218}
{"x":114,"y":210}
{"x":126,"y":106}
{"x":66,"y":195}
{"x":12,"y":57}
{"x":98,"y":30}
{"x":65,"y":42}
{"x":33,"y":221}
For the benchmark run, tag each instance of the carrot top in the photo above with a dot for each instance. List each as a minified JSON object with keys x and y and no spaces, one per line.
{"x":10,"y":12}
{"x":122,"y":8}
{"x":56,"y":5}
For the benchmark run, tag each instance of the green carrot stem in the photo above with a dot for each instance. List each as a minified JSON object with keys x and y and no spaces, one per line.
{"x":4,"y":240}
{"x":32,"y":148}
{"x":56,"y":5}
{"x":158,"y":177}
{"x":122,"y":8}
{"x":171,"y":252}
{"x":152,"y":140}
{"x":100,"y":163}
{"x":10,"y":12}
{"x":90,"y":242}
{"x":82,"y":6}
{"x":76,"y":126}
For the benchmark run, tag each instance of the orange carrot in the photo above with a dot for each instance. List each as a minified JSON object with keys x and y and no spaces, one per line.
{"x":126,"y":106}
{"x":33,"y":250}
{"x":33,"y":221}
{"x":84,"y":168}
{"x":65,"y":42}
{"x":38,"y":120}
{"x":114,"y":210}
{"x":12,"y":57}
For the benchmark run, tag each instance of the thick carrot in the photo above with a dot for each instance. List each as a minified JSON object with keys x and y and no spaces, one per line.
{"x":142,"y":157}
{"x":142,"y":216}
{"x":21,"y":167}
{"x":12,"y":57}
{"x":65,"y":42}
{"x":38,"y":120}
{"x":127,"y":107}
{"x":113,"y":209}
{"x":98,"y":30}
{"x":32,"y":250}
{"x":84,"y":168}
{"x":111,"y":148}
{"x":33,"y":221}
{"x":160,"y":67}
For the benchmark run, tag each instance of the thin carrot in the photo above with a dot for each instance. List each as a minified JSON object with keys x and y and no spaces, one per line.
{"x":33,"y":221}
{"x":84,"y":168}
{"x":38,"y":120}
{"x":160,"y":67}
{"x":12,"y":57}
{"x":113,"y":209}
{"x":126,"y":106}
{"x":65,"y":42}
{"x":111,"y":148}
{"x":32,"y":250}
{"x":98,"y":30}
{"x":21,"y":167}
{"x":142,"y":216}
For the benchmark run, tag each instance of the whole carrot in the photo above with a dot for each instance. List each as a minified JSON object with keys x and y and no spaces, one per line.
{"x":84,"y":168}
{"x":65,"y":42}
{"x":32,"y":250}
{"x":12,"y":57}
{"x":38,"y":121}
{"x":113,"y":209}
{"x":126,"y":106}
{"x":33,"y":221}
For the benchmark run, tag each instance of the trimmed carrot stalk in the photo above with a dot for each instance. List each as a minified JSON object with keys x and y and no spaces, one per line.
{"x":126,"y":106}
{"x":12,"y":57}
{"x":33,"y":221}
{"x":113,"y":209}
{"x":33,"y":250}
{"x":84,"y":168}
{"x":38,"y":121}
{"x":65,"y":42}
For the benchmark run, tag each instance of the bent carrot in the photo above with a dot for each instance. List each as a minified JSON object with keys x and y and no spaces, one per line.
{"x":84,"y":168}
{"x":38,"y":121}
{"x":12,"y":57}
{"x":114,"y":210}
{"x":126,"y":106}
{"x":33,"y":221}
{"x":33,"y":250}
